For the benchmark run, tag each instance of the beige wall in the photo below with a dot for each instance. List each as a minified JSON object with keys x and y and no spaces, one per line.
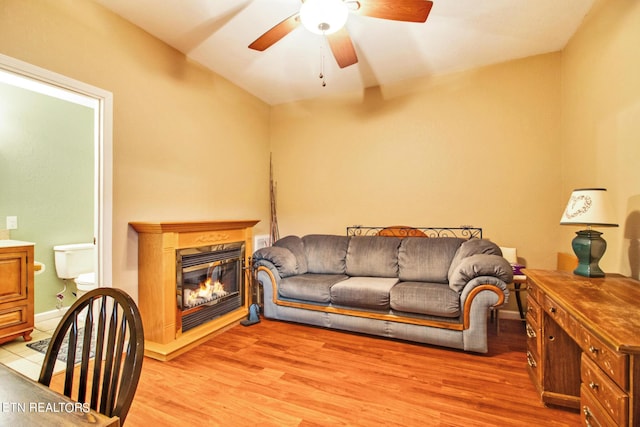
{"x":478,"y":148}
{"x":500,"y":147}
{"x":187,"y":144}
{"x":601,"y":123}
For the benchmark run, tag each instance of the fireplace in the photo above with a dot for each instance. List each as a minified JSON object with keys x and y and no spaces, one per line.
{"x":209,"y":282}
{"x":179,"y":264}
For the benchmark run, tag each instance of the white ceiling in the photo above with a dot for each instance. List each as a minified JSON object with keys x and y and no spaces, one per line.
{"x":458,"y":35}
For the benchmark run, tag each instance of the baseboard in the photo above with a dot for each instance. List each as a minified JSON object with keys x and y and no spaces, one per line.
{"x":509,"y":315}
{"x":53,"y":314}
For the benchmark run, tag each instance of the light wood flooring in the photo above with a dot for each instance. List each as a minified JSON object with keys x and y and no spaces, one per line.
{"x":283,"y":374}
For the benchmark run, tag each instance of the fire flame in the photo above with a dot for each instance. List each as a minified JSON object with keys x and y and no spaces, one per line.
{"x":206,"y":290}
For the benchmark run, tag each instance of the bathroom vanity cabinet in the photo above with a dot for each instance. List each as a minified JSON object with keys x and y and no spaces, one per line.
{"x":16,"y":290}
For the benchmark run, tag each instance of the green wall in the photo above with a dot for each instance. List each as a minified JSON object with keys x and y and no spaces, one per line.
{"x":46,"y":179}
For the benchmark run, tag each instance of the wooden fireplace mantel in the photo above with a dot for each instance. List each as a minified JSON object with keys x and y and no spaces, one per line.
{"x":157,"y":245}
{"x":194,"y":226}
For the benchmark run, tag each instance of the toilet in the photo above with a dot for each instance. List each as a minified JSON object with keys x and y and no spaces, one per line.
{"x":77,"y":261}
{"x":85,"y":283}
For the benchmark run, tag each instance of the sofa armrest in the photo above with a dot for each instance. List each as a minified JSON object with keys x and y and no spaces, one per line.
{"x":268,"y":265}
{"x":486,"y":282}
{"x":491,"y":272}
{"x":479,"y":265}
{"x":281,"y":258}
{"x":268,"y":277}
{"x":488,"y":292}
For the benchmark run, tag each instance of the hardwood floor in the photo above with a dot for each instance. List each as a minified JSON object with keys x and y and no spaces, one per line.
{"x":282,"y":374}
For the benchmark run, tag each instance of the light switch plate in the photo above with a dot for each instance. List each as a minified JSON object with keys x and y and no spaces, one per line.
{"x":12,"y":223}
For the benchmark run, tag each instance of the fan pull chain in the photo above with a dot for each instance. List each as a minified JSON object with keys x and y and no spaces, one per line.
{"x":321,"y":76}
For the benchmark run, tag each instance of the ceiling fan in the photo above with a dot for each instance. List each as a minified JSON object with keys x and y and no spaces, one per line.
{"x":328,"y":17}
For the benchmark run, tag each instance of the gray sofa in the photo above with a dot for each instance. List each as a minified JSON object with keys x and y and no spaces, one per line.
{"x":429,"y":290}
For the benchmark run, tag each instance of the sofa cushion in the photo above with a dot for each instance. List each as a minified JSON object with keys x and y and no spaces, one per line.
{"x":434,"y":299}
{"x":309,"y":287}
{"x":363,"y":292}
{"x":472,"y":247}
{"x":480,"y":265}
{"x":295,"y":245}
{"x":325,"y":253}
{"x":373,"y":256}
{"x":282,"y":258}
{"x":423,"y":259}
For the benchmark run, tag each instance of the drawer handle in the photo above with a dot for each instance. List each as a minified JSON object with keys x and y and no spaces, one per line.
{"x":587,"y":415}
{"x":531,"y":333}
{"x":593,"y":349}
{"x":552,"y":310}
{"x":593,"y":386}
{"x":530,"y":360}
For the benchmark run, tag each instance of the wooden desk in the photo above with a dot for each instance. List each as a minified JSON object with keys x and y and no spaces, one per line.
{"x":27,"y":402}
{"x":583,"y":346}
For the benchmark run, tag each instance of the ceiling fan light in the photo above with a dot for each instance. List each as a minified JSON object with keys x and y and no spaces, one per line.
{"x":323,"y":16}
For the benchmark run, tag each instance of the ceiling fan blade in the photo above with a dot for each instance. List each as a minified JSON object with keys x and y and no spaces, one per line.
{"x":276,"y":33}
{"x":396,"y":10}
{"x":342,"y":48}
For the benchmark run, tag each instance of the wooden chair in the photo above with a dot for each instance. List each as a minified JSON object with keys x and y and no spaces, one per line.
{"x":105,"y":321}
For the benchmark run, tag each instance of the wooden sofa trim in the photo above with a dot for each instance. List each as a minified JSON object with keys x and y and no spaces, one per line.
{"x":390,"y":317}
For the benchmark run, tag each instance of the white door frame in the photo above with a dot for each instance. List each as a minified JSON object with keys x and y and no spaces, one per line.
{"x":102,"y":103}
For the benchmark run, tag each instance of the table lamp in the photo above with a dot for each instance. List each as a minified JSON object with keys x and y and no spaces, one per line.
{"x":590,"y":207}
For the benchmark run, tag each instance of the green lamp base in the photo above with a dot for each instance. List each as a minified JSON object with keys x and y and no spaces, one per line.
{"x":589,"y":248}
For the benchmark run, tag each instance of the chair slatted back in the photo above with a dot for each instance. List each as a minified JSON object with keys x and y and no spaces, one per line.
{"x":108,"y":321}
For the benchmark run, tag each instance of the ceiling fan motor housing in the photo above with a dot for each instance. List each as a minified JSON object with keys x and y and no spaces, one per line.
{"x":324,"y":16}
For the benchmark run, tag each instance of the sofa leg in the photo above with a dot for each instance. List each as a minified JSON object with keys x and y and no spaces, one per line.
{"x":495,"y":318}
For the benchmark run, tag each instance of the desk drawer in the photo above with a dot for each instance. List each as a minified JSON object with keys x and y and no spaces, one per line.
{"x":534,"y":334}
{"x":615,"y":365}
{"x":533,"y":310}
{"x":596,"y":383}
{"x":535,"y":369}
{"x":592,"y":414}
{"x":560,"y":316}
{"x":532,"y":290}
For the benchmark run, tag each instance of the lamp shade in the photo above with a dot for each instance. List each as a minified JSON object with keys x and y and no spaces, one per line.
{"x":323,"y":16}
{"x":589,"y":206}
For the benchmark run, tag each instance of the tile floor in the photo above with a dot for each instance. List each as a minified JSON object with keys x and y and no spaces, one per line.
{"x":16,"y":355}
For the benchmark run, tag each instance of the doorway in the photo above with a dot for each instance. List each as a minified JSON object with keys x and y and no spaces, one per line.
{"x":53,"y":179}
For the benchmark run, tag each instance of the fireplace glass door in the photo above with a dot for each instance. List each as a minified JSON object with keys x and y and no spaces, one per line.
{"x":210,"y":282}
